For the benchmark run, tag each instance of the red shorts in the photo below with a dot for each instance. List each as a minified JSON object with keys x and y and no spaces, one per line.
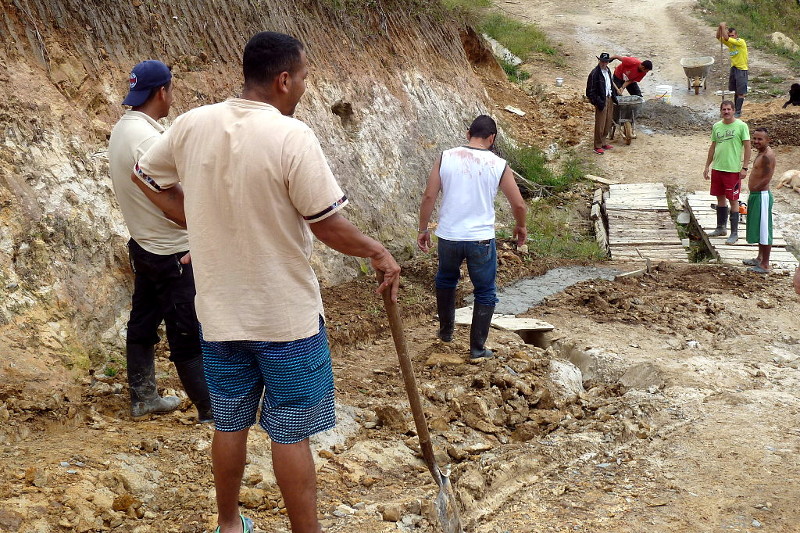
{"x":726,"y":184}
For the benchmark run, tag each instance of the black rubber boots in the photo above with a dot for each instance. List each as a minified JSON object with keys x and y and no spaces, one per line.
{"x":734,"y":236}
{"x":194,"y":383}
{"x":144,"y":393}
{"x":446,"y":308}
{"x":142,"y":382}
{"x":722,"y":222}
{"x":479,"y":331}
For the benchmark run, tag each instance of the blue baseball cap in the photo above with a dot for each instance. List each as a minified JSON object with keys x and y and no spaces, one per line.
{"x":146,"y":76}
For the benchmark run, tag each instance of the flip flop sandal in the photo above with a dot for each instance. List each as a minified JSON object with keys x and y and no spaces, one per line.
{"x":758,"y":270}
{"x":247,"y":525}
{"x":751,"y":262}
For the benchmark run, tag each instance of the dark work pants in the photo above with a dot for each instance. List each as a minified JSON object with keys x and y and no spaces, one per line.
{"x":632,"y":88}
{"x":163,"y":291}
{"x":602,"y":122}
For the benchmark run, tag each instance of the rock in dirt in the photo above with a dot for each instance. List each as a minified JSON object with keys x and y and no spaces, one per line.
{"x":566,"y":382}
{"x":125,"y":502}
{"x":444,"y":359}
{"x":252,"y":498}
{"x":643,"y":376}
{"x":391,"y":417}
{"x":784,"y":41}
{"x":390,"y":512}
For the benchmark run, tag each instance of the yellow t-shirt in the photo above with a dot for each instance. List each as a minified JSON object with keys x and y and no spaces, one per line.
{"x":737,"y":48}
{"x":253,"y":180}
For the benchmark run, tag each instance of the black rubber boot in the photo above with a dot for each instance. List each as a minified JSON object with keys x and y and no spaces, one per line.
{"x":737,"y":107}
{"x":446,"y":308}
{"x":194,"y":383}
{"x":479,"y":331}
{"x":142,"y":381}
{"x":734,"y":229}
{"x":722,"y":222}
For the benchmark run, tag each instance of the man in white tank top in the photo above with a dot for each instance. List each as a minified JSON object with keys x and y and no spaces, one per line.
{"x":468,"y":178}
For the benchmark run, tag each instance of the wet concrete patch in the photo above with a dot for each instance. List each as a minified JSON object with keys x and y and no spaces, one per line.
{"x":521,"y":296}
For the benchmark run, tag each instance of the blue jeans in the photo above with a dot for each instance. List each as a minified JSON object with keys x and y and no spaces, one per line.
{"x":481,"y":259}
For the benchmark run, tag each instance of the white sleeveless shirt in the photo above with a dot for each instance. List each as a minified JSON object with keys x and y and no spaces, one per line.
{"x":470,"y":177}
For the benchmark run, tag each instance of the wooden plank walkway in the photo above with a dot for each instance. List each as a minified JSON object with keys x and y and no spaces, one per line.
{"x":640,"y":225}
{"x":705,"y":218}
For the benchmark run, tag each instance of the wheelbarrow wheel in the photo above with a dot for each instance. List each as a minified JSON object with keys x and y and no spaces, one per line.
{"x":627,"y":132}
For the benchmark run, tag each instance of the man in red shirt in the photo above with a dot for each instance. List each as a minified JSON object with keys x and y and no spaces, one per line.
{"x":629,"y":72}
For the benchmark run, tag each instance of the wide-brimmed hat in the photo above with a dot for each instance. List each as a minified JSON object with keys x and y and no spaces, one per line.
{"x":604,"y":57}
{"x":146,"y":76}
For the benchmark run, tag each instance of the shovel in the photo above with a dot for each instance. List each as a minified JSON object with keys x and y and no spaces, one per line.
{"x":446,"y":503}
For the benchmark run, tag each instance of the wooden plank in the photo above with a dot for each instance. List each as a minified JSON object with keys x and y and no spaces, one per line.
{"x":661,"y":214}
{"x":595,"y":213}
{"x":640,"y":225}
{"x":645,"y":249}
{"x":600,"y":234}
{"x":636,"y":186}
{"x":654,"y":227}
{"x":598,"y":179}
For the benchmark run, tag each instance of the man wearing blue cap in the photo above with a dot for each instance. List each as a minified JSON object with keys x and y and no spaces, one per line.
{"x":163,"y":278}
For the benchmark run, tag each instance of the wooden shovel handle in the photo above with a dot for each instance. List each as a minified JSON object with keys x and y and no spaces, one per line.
{"x":396,"y":324}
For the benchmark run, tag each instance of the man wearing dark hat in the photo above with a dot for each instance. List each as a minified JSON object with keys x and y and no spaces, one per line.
{"x":600,"y":94}
{"x":163,"y":279}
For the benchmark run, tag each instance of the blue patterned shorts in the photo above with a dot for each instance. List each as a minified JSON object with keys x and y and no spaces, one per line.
{"x":295,"y":379}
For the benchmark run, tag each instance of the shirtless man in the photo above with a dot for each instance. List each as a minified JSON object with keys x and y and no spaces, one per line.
{"x":759,"y":203}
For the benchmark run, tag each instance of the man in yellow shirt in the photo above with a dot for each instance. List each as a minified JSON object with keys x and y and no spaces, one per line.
{"x":737,"y":47}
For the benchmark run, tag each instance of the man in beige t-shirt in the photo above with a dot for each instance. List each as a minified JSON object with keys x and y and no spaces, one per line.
{"x":163,"y":280}
{"x":257,"y":190}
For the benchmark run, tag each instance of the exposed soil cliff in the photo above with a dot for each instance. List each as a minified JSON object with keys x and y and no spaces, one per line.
{"x":380,"y":111}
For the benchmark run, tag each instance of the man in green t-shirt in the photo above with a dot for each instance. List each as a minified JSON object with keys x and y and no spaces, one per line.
{"x":729,"y":138}
{"x":737,"y":79}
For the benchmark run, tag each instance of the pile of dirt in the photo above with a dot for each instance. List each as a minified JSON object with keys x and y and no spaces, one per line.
{"x":678,"y":120}
{"x":670,"y":299}
{"x":784,"y":128}
{"x":548,"y":117}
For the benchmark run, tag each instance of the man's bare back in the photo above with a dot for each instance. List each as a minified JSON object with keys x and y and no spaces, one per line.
{"x":763,"y":166}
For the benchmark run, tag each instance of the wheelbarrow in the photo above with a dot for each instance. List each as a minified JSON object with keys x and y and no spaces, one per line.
{"x":696,"y":70}
{"x":624,"y":118}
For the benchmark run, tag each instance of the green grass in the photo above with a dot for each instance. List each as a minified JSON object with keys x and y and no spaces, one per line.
{"x":551,"y":224}
{"x":551,"y":233}
{"x":531,"y":163}
{"x":466,"y":5}
{"x":513,"y":72}
{"x":520,"y":39}
{"x":754,"y":20}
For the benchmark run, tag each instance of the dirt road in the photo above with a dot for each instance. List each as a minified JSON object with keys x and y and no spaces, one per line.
{"x":723,"y":455}
{"x":664,"y":32}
